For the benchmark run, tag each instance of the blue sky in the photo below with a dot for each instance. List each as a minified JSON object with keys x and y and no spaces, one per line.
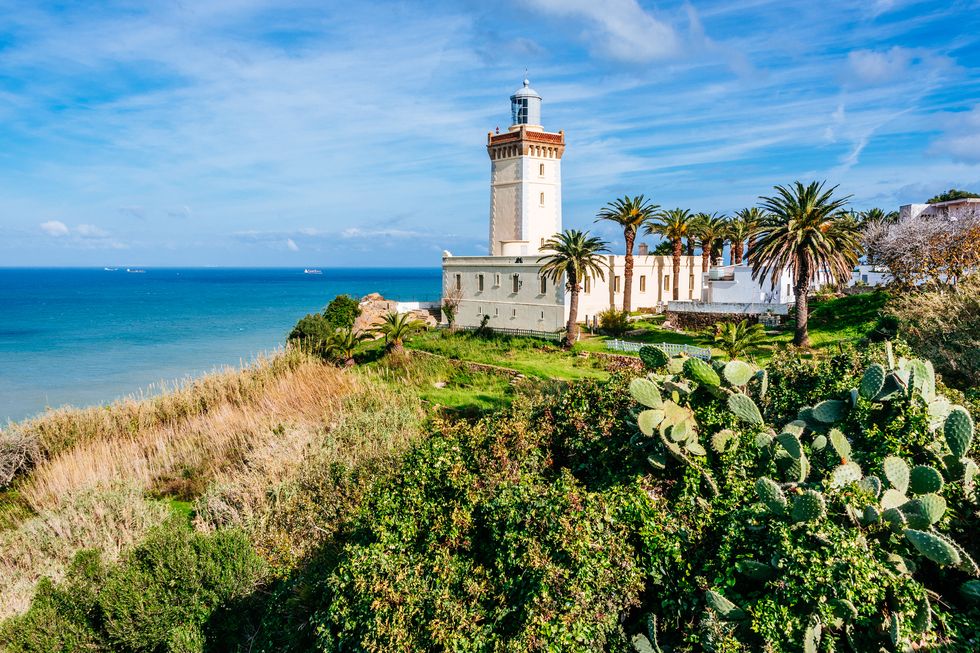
{"x":252,"y":132}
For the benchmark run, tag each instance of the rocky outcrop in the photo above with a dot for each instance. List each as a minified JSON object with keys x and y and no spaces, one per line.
{"x":374,"y":308}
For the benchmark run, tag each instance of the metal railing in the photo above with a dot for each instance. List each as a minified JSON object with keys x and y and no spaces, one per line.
{"x":669,"y":348}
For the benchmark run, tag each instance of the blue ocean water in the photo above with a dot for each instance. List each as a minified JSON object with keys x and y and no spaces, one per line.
{"x":88,"y":336}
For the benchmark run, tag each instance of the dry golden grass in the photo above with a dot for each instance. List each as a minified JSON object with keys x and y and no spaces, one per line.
{"x":277,"y":413}
{"x":109,"y":520}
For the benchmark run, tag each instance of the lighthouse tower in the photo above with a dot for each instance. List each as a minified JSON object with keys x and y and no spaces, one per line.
{"x":525,"y":179}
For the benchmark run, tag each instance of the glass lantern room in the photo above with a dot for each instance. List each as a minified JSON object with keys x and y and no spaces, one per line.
{"x":525,"y":106}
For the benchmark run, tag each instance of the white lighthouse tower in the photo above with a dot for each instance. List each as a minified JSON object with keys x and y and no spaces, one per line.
{"x":525,"y":179}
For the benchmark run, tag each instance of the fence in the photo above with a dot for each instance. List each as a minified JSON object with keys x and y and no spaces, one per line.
{"x":669,"y":348}
{"x":528,"y":333}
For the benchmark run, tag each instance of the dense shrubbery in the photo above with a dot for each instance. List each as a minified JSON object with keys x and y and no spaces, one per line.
{"x":165,"y":595}
{"x":614,"y":323}
{"x":315,"y":331}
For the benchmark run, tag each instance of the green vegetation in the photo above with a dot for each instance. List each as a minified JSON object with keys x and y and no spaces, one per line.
{"x":951,"y":194}
{"x":575,"y":256}
{"x":630,"y":213}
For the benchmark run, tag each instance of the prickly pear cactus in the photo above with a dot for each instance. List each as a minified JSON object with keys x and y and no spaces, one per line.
{"x":830,"y":411}
{"x":809,"y":506}
{"x":872,"y":381}
{"x":897,"y":473}
{"x":958,"y":430}
{"x":924,"y":479}
{"x":697,"y":370}
{"x":933,"y":546}
{"x":771,"y":495}
{"x":654,"y":358}
{"x":738,"y":373}
{"x":726,"y":610}
{"x":744,"y":408}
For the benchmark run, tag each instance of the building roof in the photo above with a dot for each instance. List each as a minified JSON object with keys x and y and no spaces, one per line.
{"x":525,"y":91}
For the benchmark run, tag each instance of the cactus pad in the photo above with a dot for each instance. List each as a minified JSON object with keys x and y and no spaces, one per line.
{"x":727,"y":610}
{"x":897,"y":473}
{"x":935,"y":547}
{"x":840,"y":444}
{"x":892,"y":499}
{"x":697,"y":370}
{"x":755,"y":570}
{"x":649,"y":420}
{"x":892,"y":386}
{"x":675,"y":365}
{"x":653,"y":358}
{"x":738,"y":373}
{"x":819,"y":443}
{"x":761,"y":383}
{"x":797,"y":426}
{"x":799,"y":469}
{"x":845,"y":474}
{"x":895,"y":518}
{"x":958,"y":431}
{"x":811,"y":638}
{"x":933,"y":506}
{"x":870,"y":516}
{"x":924,"y":479}
{"x":872,"y":381}
{"x":809,"y":506}
{"x":791,"y":444}
{"x":771,"y":494}
{"x":724,"y":440}
{"x":915,"y":514}
{"x":646,"y":392}
{"x":830,"y":411}
{"x":744,"y":408}
{"x":970,"y":590}
{"x":871,"y":484}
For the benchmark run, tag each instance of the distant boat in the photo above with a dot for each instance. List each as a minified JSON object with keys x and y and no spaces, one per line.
{"x":110,"y":269}
{"x":311,"y":271}
{"x":135,"y":271}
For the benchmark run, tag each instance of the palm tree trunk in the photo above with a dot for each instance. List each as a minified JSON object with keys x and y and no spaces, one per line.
{"x":705,"y":256}
{"x":802,"y":288}
{"x":571,"y":329}
{"x":628,"y":270}
{"x":678,"y":248}
{"x":737,"y":252}
{"x":690,"y":247}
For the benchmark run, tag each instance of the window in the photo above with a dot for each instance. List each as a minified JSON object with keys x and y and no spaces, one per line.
{"x":542,"y":315}
{"x":517,"y":282}
{"x":479,"y":310}
{"x":667,"y":282}
{"x":643,"y":283}
{"x":479,"y":279}
{"x":513,"y":312}
{"x":541,"y":199}
{"x":544,"y":285}
{"x":616,"y":284}
{"x":496,"y":280}
{"x":459,"y":282}
{"x":496,"y":312}
{"x":588,"y":285}
{"x":541,"y":170}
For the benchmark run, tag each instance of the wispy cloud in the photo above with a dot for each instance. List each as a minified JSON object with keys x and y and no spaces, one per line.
{"x":55,"y":228}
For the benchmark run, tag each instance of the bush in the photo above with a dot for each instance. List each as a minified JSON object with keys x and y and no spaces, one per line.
{"x":342,"y":312}
{"x":160,"y":597}
{"x":614,"y":323}
{"x":313,"y":333}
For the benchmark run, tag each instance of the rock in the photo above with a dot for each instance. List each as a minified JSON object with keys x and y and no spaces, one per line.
{"x":374,"y":308}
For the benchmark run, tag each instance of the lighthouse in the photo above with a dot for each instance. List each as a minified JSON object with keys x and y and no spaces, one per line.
{"x":525,"y":179}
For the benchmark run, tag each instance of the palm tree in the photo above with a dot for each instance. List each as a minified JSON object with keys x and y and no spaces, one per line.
{"x":674,"y":225}
{"x":630,"y":213}
{"x":576,"y":256}
{"x":738,"y":340}
{"x":805,"y":232}
{"x":740,"y":229}
{"x":709,"y":229}
{"x":342,"y":344}
{"x":396,"y":328}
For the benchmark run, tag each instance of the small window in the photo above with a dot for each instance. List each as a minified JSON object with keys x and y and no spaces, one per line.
{"x":643,"y":283}
{"x":513,"y":312}
{"x":544,"y":285}
{"x":542,"y":315}
{"x":588,"y":285}
{"x":667,"y":282}
{"x":479,"y":310}
{"x":459,"y":282}
{"x":541,"y":170}
{"x":480,"y":282}
{"x":496,"y":280}
{"x":517,"y":282}
{"x":616,"y":284}
{"x":542,"y":244}
{"x":690,"y":282}
{"x":496,"y":312}
{"x":541,"y":199}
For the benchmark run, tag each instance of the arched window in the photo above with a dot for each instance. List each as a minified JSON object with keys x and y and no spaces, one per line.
{"x":541,"y":170}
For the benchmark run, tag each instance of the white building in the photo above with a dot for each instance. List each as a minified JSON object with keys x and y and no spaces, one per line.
{"x":730,"y":289}
{"x":525,"y":211}
{"x":951,"y":209}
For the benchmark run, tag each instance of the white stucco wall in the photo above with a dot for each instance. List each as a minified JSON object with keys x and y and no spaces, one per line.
{"x":653,"y":272}
{"x":733,"y":284}
{"x":525,"y":205}
{"x":950,"y":209}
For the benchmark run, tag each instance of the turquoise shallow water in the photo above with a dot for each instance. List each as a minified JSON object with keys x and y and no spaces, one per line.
{"x":87,"y":336}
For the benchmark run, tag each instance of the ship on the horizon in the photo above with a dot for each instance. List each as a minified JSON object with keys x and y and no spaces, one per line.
{"x":135,"y":271}
{"x":312,"y":271}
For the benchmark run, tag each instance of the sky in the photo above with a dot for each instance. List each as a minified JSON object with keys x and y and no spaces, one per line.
{"x":277,"y":133}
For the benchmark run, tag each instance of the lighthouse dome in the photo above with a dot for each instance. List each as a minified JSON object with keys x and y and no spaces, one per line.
{"x":525,"y":106}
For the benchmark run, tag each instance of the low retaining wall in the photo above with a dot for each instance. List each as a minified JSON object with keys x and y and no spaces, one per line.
{"x":470,"y":365}
{"x":689,"y":321}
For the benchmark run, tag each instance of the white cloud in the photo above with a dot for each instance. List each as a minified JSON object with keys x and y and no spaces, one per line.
{"x":876,"y":67}
{"x":961,"y":140}
{"x":620,"y":28}
{"x":91,"y":231}
{"x":356,"y":232}
{"x":55,"y":228}
{"x":291,"y":245}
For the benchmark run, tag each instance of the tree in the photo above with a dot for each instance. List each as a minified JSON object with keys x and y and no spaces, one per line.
{"x":312,"y":332}
{"x":739,"y":340}
{"x":576,"y":256}
{"x":450,"y":306}
{"x":741,"y":226}
{"x":674,"y":225}
{"x":709,"y":228}
{"x":630,"y":213}
{"x":804,"y":233}
{"x":951,"y":194}
{"x":396,"y":328}
{"x":342,"y":312}
{"x":343,"y":343}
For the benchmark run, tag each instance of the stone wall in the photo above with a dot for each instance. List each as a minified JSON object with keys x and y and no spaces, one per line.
{"x":689,"y":321}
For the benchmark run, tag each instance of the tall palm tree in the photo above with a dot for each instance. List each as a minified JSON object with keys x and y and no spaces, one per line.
{"x":674,"y":225}
{"x":576,"y":256}
{"x":630,"y":213}
{"x":740,"y":230}
{"x":342,"y":344}
{"x":805,"y":232}
{"x":396,"y":328}
{"x":709,"y":229}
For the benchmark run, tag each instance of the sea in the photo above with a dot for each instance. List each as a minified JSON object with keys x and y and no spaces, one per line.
{"x":83,"y":336}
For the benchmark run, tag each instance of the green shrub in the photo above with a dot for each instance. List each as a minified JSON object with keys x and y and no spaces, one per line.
{"x":614,"y":323}
{"x":313,"y":332}
{"x":342,"y":312}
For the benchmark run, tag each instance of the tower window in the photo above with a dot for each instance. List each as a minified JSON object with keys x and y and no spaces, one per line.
{"x":496,"y":280}
{"x":517,"y":282}
{"x":541,"y":199}
{"x":544,"y":285}
{"x":541,"y":170}
{"x":588,"y":285}
{"x":616,"y":284}
{"x":496,"y":312}
{"x":513,"y":312}
{"x":542,"y":315}
{"x":459,"y":282}
{"x":643,"y":283}
{"x":480,"y":282}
